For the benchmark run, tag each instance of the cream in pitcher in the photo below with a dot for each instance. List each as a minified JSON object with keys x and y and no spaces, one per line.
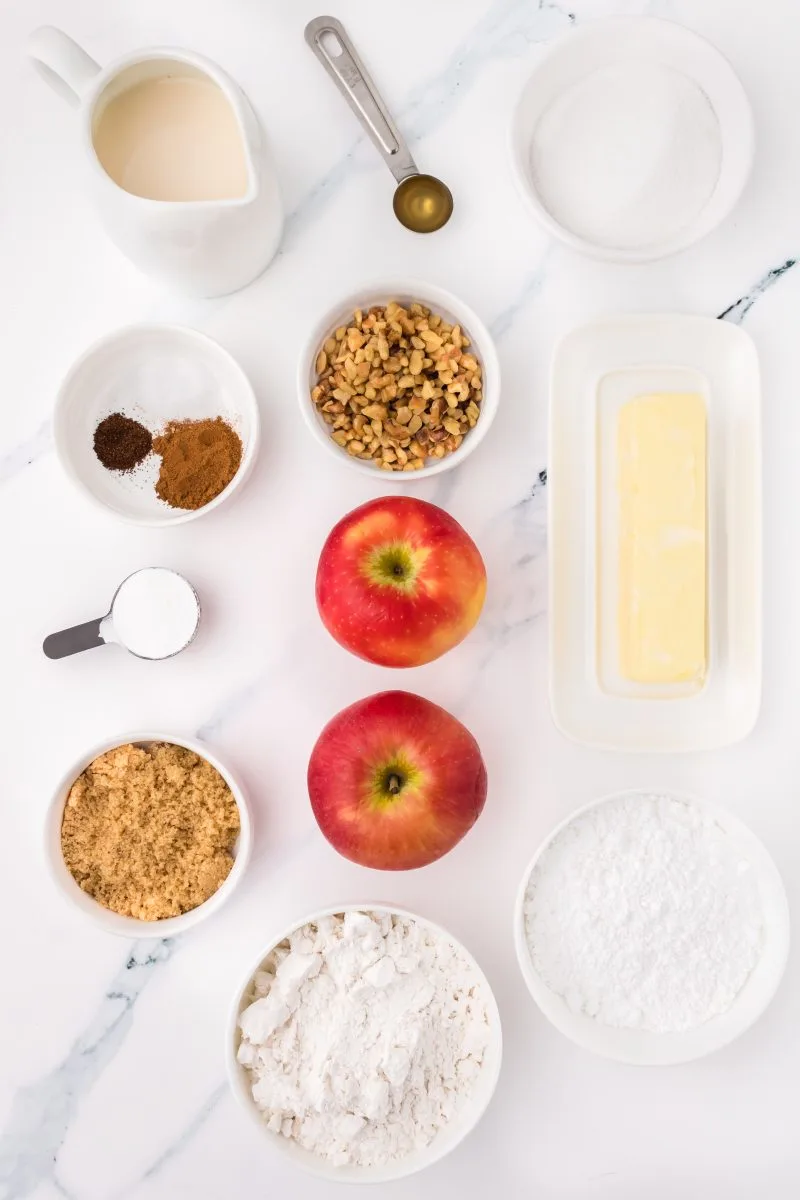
{"x":181,"y":172}
{"x":174,"y":137}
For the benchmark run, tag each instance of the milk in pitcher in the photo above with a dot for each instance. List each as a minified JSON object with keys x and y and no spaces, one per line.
{"x":172,"y":137}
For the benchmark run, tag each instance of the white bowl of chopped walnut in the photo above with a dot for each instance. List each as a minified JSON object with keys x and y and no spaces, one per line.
{"x":400,"y":378}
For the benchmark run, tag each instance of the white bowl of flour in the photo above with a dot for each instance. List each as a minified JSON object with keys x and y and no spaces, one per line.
{"x":632,"y":139}
{"x":652,"y":928}
{"x":365,"y":1043}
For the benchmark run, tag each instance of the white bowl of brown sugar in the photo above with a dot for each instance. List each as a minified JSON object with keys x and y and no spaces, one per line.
{"x":148,"y":835}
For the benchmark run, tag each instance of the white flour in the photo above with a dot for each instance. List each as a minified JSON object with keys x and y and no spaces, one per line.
{"x":643,"y":913}
{"x":366,"y":1038}
{"x":628,"y":156}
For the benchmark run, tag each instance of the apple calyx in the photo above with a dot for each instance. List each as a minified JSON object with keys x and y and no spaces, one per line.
{"x":391,"y":780}
{"x":395,"y":565}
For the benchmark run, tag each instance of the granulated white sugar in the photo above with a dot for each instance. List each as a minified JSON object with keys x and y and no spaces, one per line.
{"x":155,"y":613}
{"x":645,"y":914}
{"x":628,"y":156}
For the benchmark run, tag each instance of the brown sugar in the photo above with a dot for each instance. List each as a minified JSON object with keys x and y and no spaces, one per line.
{"x":149,"y":831}
{"x":198,"y":461}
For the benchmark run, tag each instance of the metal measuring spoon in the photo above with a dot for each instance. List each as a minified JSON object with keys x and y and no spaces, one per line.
{"x":421,"y":202}
{"x":153,"y":596}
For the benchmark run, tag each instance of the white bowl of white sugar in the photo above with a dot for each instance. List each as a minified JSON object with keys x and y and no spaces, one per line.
{"x":364,"y":1043}
{"x":632,"y":139}
{"x":652,"y":928}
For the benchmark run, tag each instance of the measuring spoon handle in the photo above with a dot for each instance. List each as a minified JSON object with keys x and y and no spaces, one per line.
{"x":72,"y":641}
{"x":328,"y":39}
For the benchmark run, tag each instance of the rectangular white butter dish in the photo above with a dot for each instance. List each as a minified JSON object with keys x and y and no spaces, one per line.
{"x":597,"y":369}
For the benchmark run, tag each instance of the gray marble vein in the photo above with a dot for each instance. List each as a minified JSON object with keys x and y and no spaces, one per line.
{"x":518,"y":597}
{"x":27,"y":452}
{"x":62,"y":1190}
{"x":528,"y":292}
{"x":736,"y":312}
{"x":41,"y":1112}
{"x":229,"y":706}
{"x":508,"y":30}
{"x":179,"y":1144}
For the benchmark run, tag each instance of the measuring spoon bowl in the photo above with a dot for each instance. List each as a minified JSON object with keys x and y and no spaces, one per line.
{"x":423,"y":203}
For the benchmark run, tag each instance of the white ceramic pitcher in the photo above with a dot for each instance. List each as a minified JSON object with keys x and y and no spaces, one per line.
{"x":202,"y":247}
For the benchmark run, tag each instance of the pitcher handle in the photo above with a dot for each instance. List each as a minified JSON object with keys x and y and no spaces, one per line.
{"x":62,"y":63}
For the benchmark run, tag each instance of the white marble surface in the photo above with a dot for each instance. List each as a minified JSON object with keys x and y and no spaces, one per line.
{"x":112,"y":1069}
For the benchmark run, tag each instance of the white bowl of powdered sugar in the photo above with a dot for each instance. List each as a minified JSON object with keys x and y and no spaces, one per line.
{"x":365,"y":1043}
{"x":652,"y":928}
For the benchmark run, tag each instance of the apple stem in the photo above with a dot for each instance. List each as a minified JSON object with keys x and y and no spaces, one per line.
{"x":394,"y":784}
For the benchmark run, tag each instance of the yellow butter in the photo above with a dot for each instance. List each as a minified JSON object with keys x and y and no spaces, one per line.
{"x":661,"y":448}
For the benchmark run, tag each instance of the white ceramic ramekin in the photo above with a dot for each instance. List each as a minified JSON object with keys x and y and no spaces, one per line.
{"x":441,"y":302}
{"x":103,"y":917}
{"x":610,"y":40}
{"x":444,"y":1142}
{"x":177,"y":373}
{"x":644,"y":1047}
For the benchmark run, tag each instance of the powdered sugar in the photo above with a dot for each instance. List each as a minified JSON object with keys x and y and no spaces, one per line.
{"x":643,"y":913}
{"x":365,"y":1036}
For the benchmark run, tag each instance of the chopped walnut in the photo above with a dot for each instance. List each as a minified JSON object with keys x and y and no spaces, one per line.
{"x":398,"y":386}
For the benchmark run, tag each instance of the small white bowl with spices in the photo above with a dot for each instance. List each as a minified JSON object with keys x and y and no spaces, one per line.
{"x":171,"y":811}
{"x":351,"y":1117}
{"x":166,"y":384}
{"x":450,"y":421}
{"x":652,"y":927}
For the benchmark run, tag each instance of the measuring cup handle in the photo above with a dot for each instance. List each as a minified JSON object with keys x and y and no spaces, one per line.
{"x":62,"y":63}
{"x":328,"y":39}
{"x":72,"y":641}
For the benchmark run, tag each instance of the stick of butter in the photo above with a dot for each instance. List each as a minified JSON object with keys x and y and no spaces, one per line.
{"x":661,"y":453}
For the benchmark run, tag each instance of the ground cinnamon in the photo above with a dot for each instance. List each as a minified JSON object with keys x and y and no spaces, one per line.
{"x":198,"y":461}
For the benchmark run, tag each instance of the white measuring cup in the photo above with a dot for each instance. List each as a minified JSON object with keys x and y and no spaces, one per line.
{"x":154,"y":615}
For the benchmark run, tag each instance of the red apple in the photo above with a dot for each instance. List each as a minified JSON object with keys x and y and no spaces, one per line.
{"x":395,"y":781}
{"x":399,"y":582}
